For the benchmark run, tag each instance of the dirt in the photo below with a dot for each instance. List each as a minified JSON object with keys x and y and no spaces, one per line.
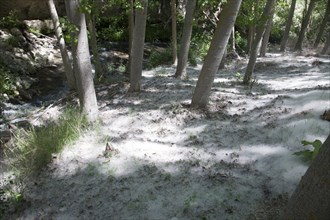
{"x":155,"y":158}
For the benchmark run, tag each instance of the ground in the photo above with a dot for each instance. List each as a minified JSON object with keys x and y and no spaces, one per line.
{"x":232,"y":161}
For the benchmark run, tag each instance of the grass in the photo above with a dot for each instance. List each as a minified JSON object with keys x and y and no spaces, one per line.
{"x":34,"y":149}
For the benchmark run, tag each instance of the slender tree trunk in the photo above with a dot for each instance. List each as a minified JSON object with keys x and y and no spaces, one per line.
{"x":257,"y":41}
{"x":174,"y":34}
{"x":213,"y":58}
{"x":95,"y":51}
{"x":311,"y":200}
{"x":304,"y":25}
{"x":266,"y":36}
{"x":138,"y":46}
{"x":323,"y":25}
{"x":286,"y":34}
{"x":251,"y":35}
{"x":130,"y":34}
{"x":326,"y":45}
{"x":181,"y":71}
{"x":82,"y":63}
{"x":59,"y":35}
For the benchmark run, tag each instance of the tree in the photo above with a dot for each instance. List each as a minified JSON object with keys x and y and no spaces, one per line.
{"x":288,"y":26}
{"x":81,"y":61}
{"x":59,"y":35}
{"x":91,"y":10}
{"x":323,"y":25}
{"x":310,"y":200}
{"x":139,"y":30}
{"x":326,"y":45}
{"x":130,"y":33}
{"x":265,"y":18}
{"x":174,"y":34}
{"x":304,"y":24}
{"x":265,"y":39}
{"x":213,"y":58}
{"x":181,"y":71}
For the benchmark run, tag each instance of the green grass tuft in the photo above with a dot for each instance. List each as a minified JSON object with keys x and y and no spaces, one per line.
{"x":34,"y":148}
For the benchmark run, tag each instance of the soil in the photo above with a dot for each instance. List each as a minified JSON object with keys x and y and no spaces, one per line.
{"x":153,"y":157}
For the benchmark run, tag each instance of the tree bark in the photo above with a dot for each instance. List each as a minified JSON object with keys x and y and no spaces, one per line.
{"x":304,"y":25}
{"x":286,"y":34}
{"x":213,"y":58}
{"x":326,"y":45}
{"x":251,"y":35}
{"x":95,"y":51}
{"x":265,"y":18}
{"x":82,"y":63}
{"x":138,"y":46}
{"x":130,"y":34}
{"x":311,"y":200}
{"x":174,"y":33}
{"x":323,"y":25}
{"x":181,"y":71}
{"x":266,"y":36}
{"x":65,"y":56}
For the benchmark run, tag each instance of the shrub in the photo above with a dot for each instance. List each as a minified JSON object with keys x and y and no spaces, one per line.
{"x":162,"y":57}
{"x":12,"y":21}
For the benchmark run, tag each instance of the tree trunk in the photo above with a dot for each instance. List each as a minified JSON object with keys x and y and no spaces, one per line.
{"x":213,"y":58}
{"x":323,"y":25}
{"x":130,"y":34}
{"x":174,"y":34}
{"x":82,"y":63}
{"x":326,"y":45}
{"x":181,"y":71}
{"x":304,"y":25}
{"x":95,"y":51}
{"x":223,"y":60}
{"x":138,"y":46}
{"x":311,"y":200}
{"x":59,"y":35}
{"x":286,"y":34}
{"x":266,"y":36}
{"x":251,"y":35}
{"x":257,"y":41}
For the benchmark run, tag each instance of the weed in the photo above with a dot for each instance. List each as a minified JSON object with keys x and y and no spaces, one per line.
{"x":309,"y":155}
{"x":11,"y":21}
{"x":34,"y":149}
{"x":238,"y":77}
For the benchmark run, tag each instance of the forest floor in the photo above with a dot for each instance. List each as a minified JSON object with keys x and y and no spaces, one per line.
{"x":232,"y":161}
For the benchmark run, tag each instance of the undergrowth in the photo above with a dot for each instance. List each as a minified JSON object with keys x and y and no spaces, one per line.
{"x":33,"y":150}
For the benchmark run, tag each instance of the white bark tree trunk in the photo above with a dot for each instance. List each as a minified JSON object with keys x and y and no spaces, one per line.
{"x":304,"y":25}
{"x":288,"y":26}
{"x":181,"y":71}
{"x":257,"y":41}
{"x":174,"y":33}
{"x":138,"y":46}
{"x":60,"y":39}
{"x":213,"y":58}
{"x":82,"y":62}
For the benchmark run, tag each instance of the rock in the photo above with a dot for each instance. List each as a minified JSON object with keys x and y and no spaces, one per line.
{"x":326,"y":115}
{"x":5,"y":136}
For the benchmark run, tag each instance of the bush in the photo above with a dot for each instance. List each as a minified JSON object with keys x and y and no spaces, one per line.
{"x":162,"y":57}
{"x":12,"y":21}
{"x":7,"y":85}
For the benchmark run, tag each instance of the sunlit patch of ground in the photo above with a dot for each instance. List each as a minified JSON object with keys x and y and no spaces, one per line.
{"x":232,"y":161}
